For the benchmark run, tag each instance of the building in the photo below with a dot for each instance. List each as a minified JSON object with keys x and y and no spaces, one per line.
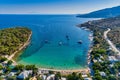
{"x":11,"y":74}
{"x":43,"y":77}
{"x":24,"y":74}
{"x":63,"y":78}
{"x":87,"y":79}
{"x":103,"y":74}
{"x":51,"y":77}
{"x":112,"y":59}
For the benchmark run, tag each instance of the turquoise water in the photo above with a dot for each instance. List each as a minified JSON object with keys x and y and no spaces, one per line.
{"x":54,"y":29}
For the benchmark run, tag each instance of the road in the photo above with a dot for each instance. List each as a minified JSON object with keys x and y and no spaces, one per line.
{"x":110,"y":42}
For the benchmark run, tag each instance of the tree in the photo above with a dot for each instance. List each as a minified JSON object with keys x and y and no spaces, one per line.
{"x":7,"y":69}
{"x":30,"y":67}
{"x":97,"y":78}
{"x":19,"y":67}
{"x":39,"y":78}
{"x":74,"y":76}
{"x":51,"y":72}
{"x":9,"y":62}
{"x":11,"y":78}
{"x":2,"y":59}
{"x":58,"y":76}
{"x":1,"y":67}
{"x":112,"y":78}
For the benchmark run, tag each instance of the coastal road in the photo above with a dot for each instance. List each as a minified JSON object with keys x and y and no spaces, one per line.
{"x":110,"y":42}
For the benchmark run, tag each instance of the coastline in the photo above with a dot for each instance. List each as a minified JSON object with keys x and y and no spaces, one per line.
{"x":91,"y":37}
{"x":85,"y":70}
{"x":66,"y":72}
{"x":20,"y":48}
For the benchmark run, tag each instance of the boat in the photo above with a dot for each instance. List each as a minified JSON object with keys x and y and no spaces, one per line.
{"x":46,"y":41}
{"x":79,"y":42}
{"x":67,"y":37}
{"x":60,"y":43}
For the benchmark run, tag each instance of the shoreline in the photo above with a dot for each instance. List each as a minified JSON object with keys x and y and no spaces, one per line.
{"x":65,"y":72}
{"x":85,"y":70}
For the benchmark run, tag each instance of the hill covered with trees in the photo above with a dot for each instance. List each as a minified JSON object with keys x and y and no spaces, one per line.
{"x":113,"y":23}
{"x":12,"y":38}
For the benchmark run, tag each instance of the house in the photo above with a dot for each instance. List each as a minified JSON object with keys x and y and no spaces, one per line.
{"x":1,"y":71}
{"x":24,"y":74}
{"x":51,"y":77}
{"x":99,"y":60}
{"x":84,"y":75}
{"x":33,"y":78}
{"x":118,"y":74}
{"x":42,"y":71}
{"x":11,"y":74}
{"x":62,"y":78}
{"x":94,"y":60}
{"x":111,"y":65}
{"x":101,"y":57}
{"x":87,"y":79}
{"x":118,"y":56}
{"x":43,"y":77}
{"x":39,"y":72}
{"x":103,"y":74}
{"x":112,"y":59}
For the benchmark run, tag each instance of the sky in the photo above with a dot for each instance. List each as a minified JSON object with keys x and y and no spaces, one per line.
{"x":54,"y":6}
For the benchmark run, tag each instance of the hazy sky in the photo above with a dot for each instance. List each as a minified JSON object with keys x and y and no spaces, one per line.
{"x":54,"y":6}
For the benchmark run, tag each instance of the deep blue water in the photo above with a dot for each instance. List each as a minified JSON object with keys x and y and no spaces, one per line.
{"x":54,"y":29}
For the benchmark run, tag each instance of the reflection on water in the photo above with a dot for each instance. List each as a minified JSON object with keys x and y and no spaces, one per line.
{"x":54,"y":40}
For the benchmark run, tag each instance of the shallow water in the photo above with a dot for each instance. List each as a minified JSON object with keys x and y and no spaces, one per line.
{"x":54,"y":29}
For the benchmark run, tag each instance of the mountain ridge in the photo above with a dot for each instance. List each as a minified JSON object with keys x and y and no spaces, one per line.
{"x":103,"y":13}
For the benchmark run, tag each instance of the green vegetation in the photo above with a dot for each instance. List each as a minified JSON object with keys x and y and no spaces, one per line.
{"x":2,"y":59}
{"x":12,"y":38}
{"x":114,"y":36}
{"x":1,"y":67}
{"x":57,"y":76}
{"x":101,"y":51}
{"x":74,"y":76}
{"x":9,"y":62}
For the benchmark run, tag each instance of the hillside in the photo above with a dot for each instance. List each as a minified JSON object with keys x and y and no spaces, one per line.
{"x":12,"y":38}
{"x":104,"y":13}
{"x":103,"y":24}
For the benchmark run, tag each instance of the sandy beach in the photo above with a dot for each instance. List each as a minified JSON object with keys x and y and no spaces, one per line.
{"x":66,"y":72}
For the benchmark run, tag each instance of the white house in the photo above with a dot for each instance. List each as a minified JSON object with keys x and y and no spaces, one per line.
{"x":24,"y":74}
{"x":103,"y":74}
{"x":87,"y":79}
{"x":52,"y":76}
{"x":11,"y":74}
{"x":62,"y":78}
{"x":112,"y":59}
{"x":43,"y":77}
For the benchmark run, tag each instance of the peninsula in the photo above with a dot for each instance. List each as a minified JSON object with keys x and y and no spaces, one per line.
{"x":13,"y":40}
{"x":104,"y":58}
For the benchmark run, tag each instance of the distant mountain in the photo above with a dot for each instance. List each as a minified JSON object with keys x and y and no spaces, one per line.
{"x":112,"y":22}
{"x":104,"y":13}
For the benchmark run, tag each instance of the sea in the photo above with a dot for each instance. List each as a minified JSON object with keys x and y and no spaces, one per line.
{"x":54,"y":42}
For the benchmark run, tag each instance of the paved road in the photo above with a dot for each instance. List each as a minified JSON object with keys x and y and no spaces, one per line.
{"x":110,"y":42}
